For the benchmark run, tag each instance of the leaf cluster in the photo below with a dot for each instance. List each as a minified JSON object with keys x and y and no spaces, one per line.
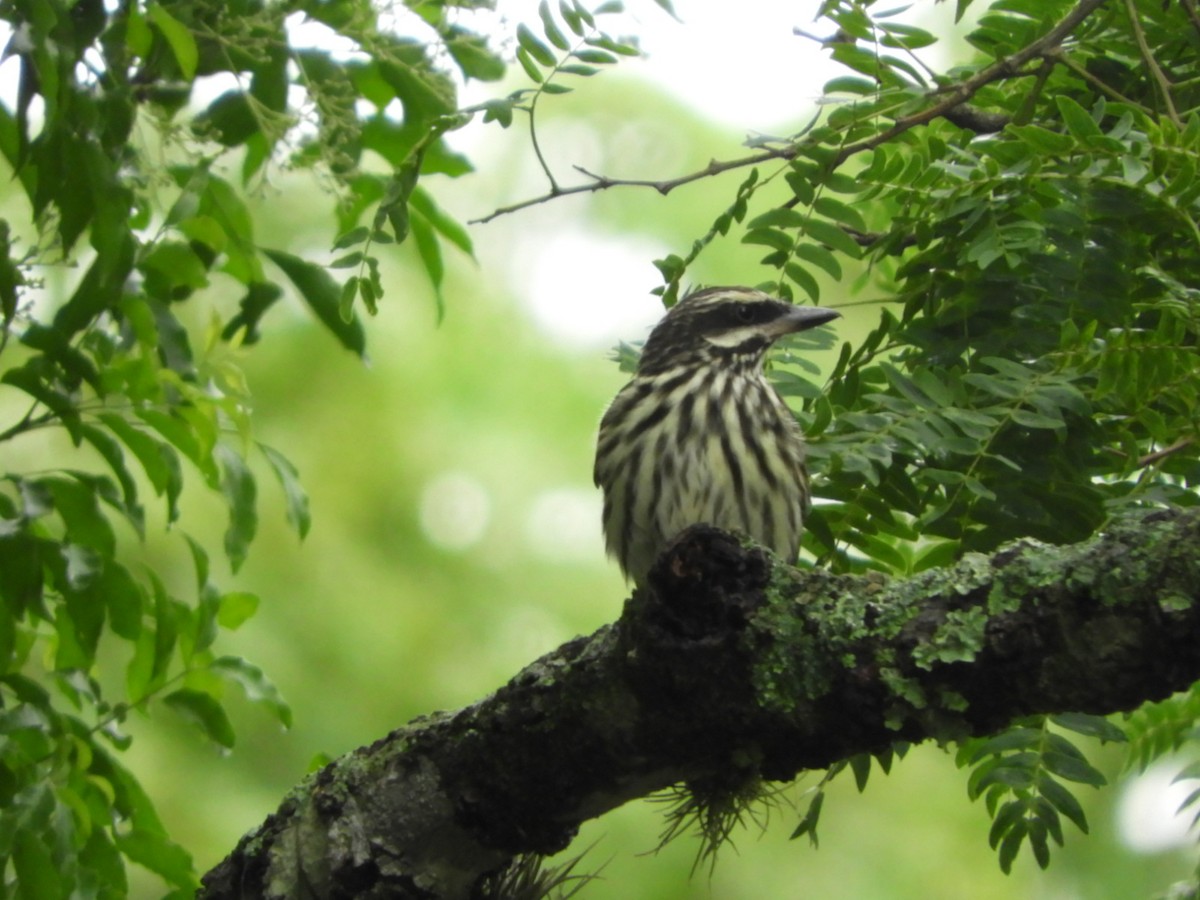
{"x":132,"y":175}
{"x":1020,"y":775}
{"x":1027,"y":225}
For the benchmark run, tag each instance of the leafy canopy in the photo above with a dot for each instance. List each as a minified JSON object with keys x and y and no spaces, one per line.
{"x":1026,"y":222}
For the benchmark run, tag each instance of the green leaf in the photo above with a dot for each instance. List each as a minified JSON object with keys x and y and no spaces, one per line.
{"x":550,"y":28}
{"x":835,"y":209}
{"x":155,"y":851}
{"x":473,"y":56}
{"x":323,"y":295}
{"x":1006,"y":816}
{"x":1090,"y":726}
{"x":851,"y":84}
{"x":1077,"y":119}
{"x":832,"y":235}
{"x":99,"y":859}
{"x":21,"y":577}
{"x":158,"y":460}
{"x":236,"y":608}
{"x":30,"y":379}
{"x":37,"y":874}
{"x":259,"y":297}
{"x":801,"y":277}
{"x":445,"y":224}
{"x":1029,"y":419}
{"x":86,"y":525}
{"x":200,"y":563}
{"x":346,"y":298}
{"x":230,"y":119}
{"x":529,"y":65}
{"x":353,"y":236}
{"x":204,"y":712}
{"x":860,"y":765}
{"x":628,"y":47}
{"x":75,"y":366}
{"x":125,"y":600}
{"x":257,"y":686}
{"x":393,"y":208}
{"x":110,"y":450}
{"x":907,"y":37}
{"x":769,"y":237}
{"x":594,"y":57}
{"x":821,"y":257}
{"x":426,"y":92}
{"x":1012,"y":844}
{"x":812,"y":816}
{"x":241,"y":493}
{"x":1043,"y":140}
{"x":430,"y":253}
{"x":534,"y":47}
{"x":1073,"y":768}
{"x":298,"y":515}
{"x":179,"y":38}
{"x":187,"y":431}
{"x":1062,"y":800}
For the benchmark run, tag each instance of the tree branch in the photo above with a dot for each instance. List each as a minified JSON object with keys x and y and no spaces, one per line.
{"x":951,"y":107}
{"x":734,"y":661}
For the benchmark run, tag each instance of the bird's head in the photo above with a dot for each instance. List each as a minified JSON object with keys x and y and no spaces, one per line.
{"x":731,"y":324}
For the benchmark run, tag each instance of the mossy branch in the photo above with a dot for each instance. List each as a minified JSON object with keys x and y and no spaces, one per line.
{"x":734,"y":660}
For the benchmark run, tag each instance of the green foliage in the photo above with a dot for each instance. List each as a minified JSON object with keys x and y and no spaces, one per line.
{"x":861,"y":767}
{"x":1040,"y":329}
{"x":129,"y":176}
{"x":1028,"y":223}
{"x":1158,"y":729}
{"x":1020,"y":775}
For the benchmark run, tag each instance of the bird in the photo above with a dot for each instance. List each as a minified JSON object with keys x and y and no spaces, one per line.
{"x":699,"y":435}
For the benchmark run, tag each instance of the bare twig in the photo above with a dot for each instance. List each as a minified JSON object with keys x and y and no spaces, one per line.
{"x":537,"y":147}
{"x":28,"y":422}
{"x":1193,"y":16}
{"x":1160,"y":77}
{"x":602,"y":182}
{"x":1159,"y":455}
{"x":953,"y":98}
{"x":1102,"y":86}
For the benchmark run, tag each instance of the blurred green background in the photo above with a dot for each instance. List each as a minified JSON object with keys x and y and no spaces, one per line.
{"x":456,"y":535}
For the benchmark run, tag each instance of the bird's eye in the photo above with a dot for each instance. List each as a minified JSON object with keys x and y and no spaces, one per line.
{"x":744,"y":312}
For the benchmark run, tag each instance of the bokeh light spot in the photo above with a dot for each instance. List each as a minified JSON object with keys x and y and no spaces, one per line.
{"x":1148,"y":816}
{"x":564,"y":525}
{"x":454,"y":511}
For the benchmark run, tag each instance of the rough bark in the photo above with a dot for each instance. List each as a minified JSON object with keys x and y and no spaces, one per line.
{"x":736,"y":661}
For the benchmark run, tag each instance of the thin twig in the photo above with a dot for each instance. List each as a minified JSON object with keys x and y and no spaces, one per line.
{"x":965,"y":90}
{"x":602,"y":182}
{"x":1160,"y":77}
{"x":953,"y":97}
{"x":1104,"y":88}
{"x":1193,"y":16}
{"x":27,"y":423}
{"x":1158,"y":455}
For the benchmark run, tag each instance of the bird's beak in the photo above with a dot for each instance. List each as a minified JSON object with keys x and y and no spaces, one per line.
{"x":802,"y":318}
